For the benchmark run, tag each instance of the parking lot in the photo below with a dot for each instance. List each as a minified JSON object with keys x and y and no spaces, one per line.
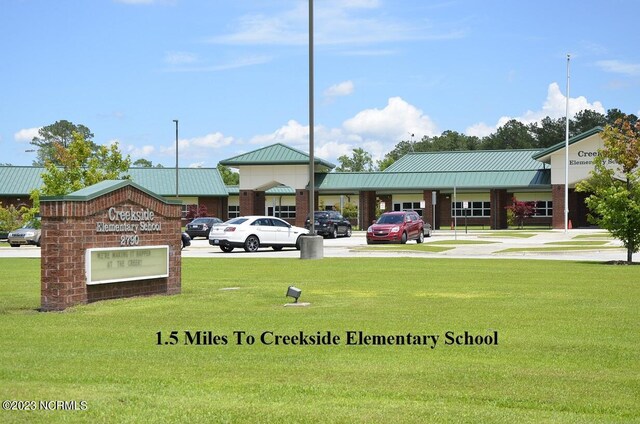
{"x":489,"y":245}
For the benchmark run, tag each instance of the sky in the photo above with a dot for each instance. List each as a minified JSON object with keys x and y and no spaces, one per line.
{"x":235,"y":73}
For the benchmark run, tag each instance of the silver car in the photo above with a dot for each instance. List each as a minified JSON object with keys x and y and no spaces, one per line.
{"x":24,"y":235}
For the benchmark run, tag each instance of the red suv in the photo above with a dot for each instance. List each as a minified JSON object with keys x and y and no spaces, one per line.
{"x":397,"y":227}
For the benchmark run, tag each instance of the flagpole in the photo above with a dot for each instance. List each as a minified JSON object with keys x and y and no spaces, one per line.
{"x":566,"y":154}
{"x":312,"y":182}
{"x":455,"y":212}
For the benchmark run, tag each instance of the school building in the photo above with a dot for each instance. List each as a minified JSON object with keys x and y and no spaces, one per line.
{"x":440,"y":186}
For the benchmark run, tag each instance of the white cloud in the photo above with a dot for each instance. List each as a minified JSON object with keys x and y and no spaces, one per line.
{"x":333,"y":149}
{"x":375,"y":130}
{"x":135,"y":1}
{"x":293,"y":133}
{"x":193,"y":147}
{"x":554,"y":107}
{"x":479,"y":130}
{"x":140,"y":152}
{"x":286,"y":28}
{"x":236,"y":63}
{"x":145,"y":2}
{"x":112,"y":115}
{"x":343,"y":88}
{"x":180,"y":58}
{"x":337,"y":22}
{"x":369,"y":52}
{"x":393,"y":122}
{"x":26,"y":135}
{"x":214,"y":141}
{"x":359,"y":4}
{"x":619,"y":67}
{"x":196,"y":165}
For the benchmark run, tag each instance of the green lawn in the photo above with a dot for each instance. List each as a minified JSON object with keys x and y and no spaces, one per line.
{"x":578,"y":243}
{"x":594,"y":235}
{"x":562,"y":248}
{"x":568,"y":344}
{"x":460,"y":242}
{"x":415,"y":247}
{"x":507,"y":233}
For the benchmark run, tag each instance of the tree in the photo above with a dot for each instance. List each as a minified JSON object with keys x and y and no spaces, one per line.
{"x":349,"y":210}
{"x":59,"y":133}
{"x":548,"y":132}
{"x":521,"y":210}
{"x":512,"y":135}
{"x":360,"y":161}
{"x":614,"y":114}
{"x":586,"y":120}
{"x":229,"y":177}
{"x":453,"y":140}
{"x":143,"y":163}
{"x":78,"y":165}
{"x":614,"y":185}
{"x":11,"y":218}
{"x":196,"y":211}
{"x":401,"y":149}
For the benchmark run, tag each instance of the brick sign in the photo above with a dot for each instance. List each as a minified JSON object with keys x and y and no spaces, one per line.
{"x":111,"y":240}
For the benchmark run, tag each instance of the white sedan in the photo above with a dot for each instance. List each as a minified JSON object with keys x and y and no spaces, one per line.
{"x":253,"y":232}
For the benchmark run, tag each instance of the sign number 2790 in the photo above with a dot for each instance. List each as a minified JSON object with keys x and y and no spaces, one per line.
{"x":132,"y":240}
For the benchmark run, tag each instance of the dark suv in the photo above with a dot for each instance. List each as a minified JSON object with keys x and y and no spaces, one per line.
{"x":397,"y":227}
{"x":330,"y":224}
{"x":200,"y":227}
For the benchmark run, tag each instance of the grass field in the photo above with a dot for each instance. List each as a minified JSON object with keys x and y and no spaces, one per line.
{"x":502,"y":234}
{"x":568,"y":347}
{"x":560,"y":248}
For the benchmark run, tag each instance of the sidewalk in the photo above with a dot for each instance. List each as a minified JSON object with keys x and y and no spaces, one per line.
{"x":491,"y":245}
{"x":549,"y":244}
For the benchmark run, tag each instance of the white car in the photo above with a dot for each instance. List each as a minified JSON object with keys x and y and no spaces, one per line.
{"x":253,"y":232}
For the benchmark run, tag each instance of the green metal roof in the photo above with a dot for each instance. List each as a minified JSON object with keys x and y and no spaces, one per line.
{"x":336,"y":181}
{"x":191,"y":181}
{"x":102,"y":188}
{"x":275,"y":191}
{"x":21,"y":180}
{"x":276,"y":154}
{"x":543,"y":155}
{"x":467,"y":161}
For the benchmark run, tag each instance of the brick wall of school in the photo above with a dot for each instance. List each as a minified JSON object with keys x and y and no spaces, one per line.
{"x":367,"y":207}
{"x":69,"y":229}
{"x":251,"y":202}
{"x":216,"y":206}
{"x":302,"y":207}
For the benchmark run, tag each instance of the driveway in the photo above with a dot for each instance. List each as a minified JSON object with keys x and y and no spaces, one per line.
{"x":487,"y":245}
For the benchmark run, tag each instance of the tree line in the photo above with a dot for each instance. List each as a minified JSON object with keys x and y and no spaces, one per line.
{"x":52,"y":140}
{"x":512,"y":135}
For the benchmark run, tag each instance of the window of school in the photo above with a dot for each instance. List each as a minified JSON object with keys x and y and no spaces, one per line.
{"x":233,"y":211}
{"x":284,"y":212}
{"x":474,"y":209}
{"x":544,"y":208}
{"x":408,"y":206}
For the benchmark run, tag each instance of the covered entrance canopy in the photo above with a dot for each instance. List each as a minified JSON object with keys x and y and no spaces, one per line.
{"x":271,"y":167}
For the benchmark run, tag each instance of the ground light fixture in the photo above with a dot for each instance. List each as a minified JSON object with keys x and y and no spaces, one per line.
{"x":294,"y":292}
